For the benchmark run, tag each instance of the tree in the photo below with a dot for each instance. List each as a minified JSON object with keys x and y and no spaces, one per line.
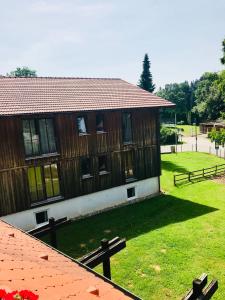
{"x":223,"y":49}
{"x":182,"y":95}
{"x":210,"y":95}
{"x":23,"y":72}
{"x":145,"y":81}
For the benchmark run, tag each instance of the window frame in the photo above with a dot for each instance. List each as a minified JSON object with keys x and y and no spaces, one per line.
{"x":103,"y":120}
{"x":131,"y":128}
{"x":36,"y":121}
{"x":107,"y":170}
{"x":126,"y":166}
{"x":45,"y":197}
{"x":86,"y":125}
{"x":87,"y":175}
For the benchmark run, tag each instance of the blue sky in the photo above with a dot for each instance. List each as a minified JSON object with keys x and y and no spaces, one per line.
{"x":108,"y":38}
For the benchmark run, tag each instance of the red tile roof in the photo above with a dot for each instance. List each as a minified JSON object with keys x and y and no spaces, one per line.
{"x":47,"y":94}
{"x":26,"y":263}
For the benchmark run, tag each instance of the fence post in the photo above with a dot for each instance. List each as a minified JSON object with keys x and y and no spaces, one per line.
{"x":216,"y":170}
{"x":189,"y":176}
{"x":203,"y":172}
{"x":197,"y":288}
{"x":106,"y":262}
{"x":53,"y":239}
{"x":174,"y":180}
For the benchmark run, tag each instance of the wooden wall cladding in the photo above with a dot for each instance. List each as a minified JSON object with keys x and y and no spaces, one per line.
{"x":14,"y":190}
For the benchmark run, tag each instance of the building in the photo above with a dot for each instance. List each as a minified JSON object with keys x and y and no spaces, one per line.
{"x":29,"y":264}
{"x":72,"y":147}
{"x":208,"y":126}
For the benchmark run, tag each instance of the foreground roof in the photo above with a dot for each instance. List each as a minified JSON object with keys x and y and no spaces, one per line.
{"x":50,"y":94}
{"x":27,"y":263}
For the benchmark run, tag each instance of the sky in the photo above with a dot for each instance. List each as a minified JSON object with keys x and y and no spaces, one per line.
{"x":108,"y":38}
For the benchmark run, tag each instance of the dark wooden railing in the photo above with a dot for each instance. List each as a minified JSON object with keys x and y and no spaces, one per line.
{"x":50,"y":229}
{"x":199,"y":291}
{"x":182,"y":178}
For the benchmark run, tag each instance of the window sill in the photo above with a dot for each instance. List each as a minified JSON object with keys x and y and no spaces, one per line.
{"x":129,"y":180}
{"x":55,"y":154}
{"x":103,"y":173}
{"x":84,"y":134}
{"x":47,"y":201}
{"x":128,"y":143}
{"x":88,"y":176}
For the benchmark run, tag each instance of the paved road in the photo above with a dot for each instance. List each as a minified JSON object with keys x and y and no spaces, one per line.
{"x":203,"y":145}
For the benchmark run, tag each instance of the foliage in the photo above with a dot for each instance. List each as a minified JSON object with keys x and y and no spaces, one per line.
{"x":167,"y":135}
{"x":217,"y":136}
{"x":210,"y":95}
{"x":23,"y":72}
{"x":182,"y":95}
{"x":163,"y":252}
{"x":145,"y":81}
{"x":223,"y":49}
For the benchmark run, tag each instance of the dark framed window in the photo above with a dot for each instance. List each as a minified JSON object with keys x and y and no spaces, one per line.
{"x":82,"y":125}
{"x":129,"y":165}
{"x":39,"y":136}
{"x":131,"y":192}
{"x":127,"y":127}
{"x":85,"y":167}
{"x":100,"y":123}
{"x":43,"y":182}
{"x":102,"y":164}
{"x":41,"y":217}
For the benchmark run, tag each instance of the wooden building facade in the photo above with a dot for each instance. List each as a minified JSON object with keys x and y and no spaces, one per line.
{"x":49,"y":157}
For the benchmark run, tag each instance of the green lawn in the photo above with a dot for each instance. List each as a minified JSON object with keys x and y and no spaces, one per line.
{"x":170,"y":239}
{"x":188,"y":130}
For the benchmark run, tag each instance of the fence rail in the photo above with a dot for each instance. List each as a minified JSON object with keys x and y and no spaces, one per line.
{"x":182,"y":178}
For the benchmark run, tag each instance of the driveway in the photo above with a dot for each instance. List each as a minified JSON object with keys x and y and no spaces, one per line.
{"x":203,"y":145}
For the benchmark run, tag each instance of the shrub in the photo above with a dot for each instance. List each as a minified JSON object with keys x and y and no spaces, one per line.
{"x":167,"y":136}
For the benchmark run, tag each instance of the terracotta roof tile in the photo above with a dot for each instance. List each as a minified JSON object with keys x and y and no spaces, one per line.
{"x":46,"y":94}
{"x":58,"y":278}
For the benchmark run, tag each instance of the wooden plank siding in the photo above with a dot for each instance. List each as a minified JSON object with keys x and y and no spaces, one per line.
{"x":14,"y":190}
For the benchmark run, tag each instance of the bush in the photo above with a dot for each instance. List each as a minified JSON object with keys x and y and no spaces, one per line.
{"x":167,"y":136}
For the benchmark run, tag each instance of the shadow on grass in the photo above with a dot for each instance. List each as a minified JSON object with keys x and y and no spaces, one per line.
{"x":84,"y":235}
{"x":172,"y":167}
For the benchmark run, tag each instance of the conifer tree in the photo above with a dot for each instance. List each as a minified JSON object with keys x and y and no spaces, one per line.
{"x":145,"y":81}
{"x":223,"y":49}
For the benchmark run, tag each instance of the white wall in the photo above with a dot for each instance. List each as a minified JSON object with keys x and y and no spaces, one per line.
{"x":86,"y":205}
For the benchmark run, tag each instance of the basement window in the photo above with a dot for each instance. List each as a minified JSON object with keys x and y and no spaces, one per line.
{"x":131,"y":193}
{"x":41,"y":217}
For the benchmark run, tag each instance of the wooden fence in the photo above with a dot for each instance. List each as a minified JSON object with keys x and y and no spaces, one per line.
{"x":182,"y":178}
{"x":199,"y":289}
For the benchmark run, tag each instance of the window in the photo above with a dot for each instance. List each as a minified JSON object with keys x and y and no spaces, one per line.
{"x":81,"y":125}
{"x":131,"y":192}
{"x":100,"y":123}
{"x":85,"y":167}
{"x":41,"y":217}
{"x":129,"y":165}
{"x":102,"y":164}
{"x":39,"y":137}
{"x":127,"y":128}
{"x":43,"y":182}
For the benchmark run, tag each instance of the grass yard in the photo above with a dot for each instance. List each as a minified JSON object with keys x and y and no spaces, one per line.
{"x":189,"y":130}
{"x":170,"y":239}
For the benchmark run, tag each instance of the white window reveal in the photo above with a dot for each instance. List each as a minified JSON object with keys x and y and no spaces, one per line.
{"x":41,"y":217}
{"x":131,"y":193}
